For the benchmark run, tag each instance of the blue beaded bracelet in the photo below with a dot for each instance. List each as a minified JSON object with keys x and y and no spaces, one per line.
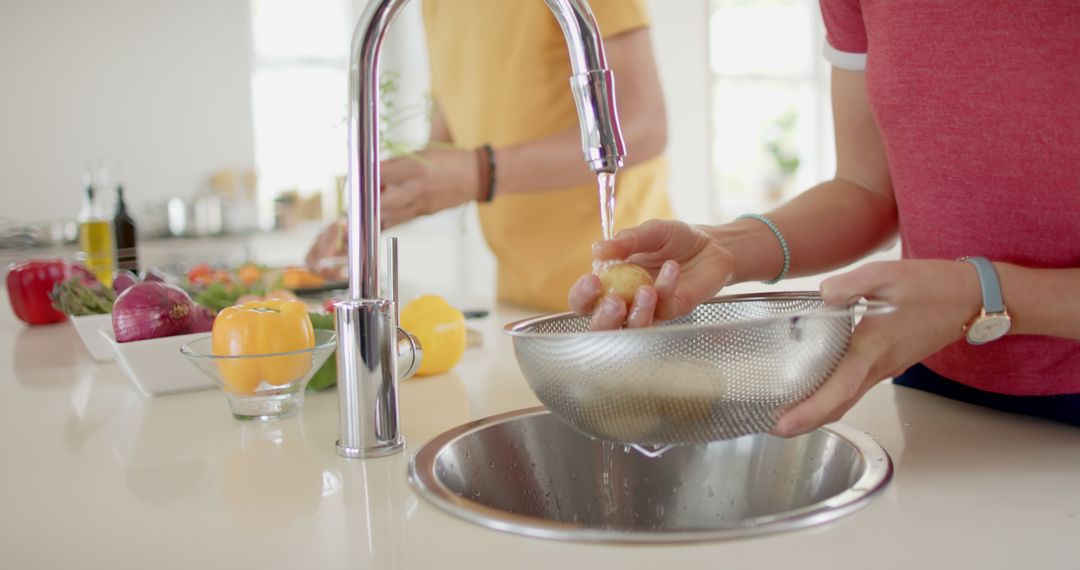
{"x":783,"y":245}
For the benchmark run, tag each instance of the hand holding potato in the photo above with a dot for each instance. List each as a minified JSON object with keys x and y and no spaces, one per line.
{"x":688,"y":266}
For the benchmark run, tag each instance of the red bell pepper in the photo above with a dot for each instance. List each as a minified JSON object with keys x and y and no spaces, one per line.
{"x":328,"y":304}
{"x":28,"y":286}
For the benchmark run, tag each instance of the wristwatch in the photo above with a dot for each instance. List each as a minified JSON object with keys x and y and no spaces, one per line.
{"x":993,"y":320}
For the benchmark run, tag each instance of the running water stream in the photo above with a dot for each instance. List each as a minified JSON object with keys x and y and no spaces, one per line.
{"x":605,"y":182}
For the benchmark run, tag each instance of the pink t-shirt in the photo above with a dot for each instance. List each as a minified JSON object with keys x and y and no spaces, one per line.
{"x":978,"y":104}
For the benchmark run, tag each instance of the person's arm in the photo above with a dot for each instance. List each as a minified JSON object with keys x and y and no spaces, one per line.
{"x":836,"y":222}
{"x":934,"y":299}
{"x":828,"y":226}
{"x":440,"y":178}
{"x":940,"y":297}
{"x":1041,"y":301}
{"x":555,"y":161}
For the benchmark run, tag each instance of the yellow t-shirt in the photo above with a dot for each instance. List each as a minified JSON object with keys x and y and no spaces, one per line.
{"x":500,"y":75}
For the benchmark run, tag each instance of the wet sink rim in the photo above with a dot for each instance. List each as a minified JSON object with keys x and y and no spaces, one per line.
{"x":423,"y":479}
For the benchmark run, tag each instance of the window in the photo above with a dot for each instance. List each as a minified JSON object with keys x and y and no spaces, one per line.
{"x":771,"y":120}
{"x":298,"y":91}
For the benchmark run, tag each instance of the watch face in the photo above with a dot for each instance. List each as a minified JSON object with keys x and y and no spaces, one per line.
{"x":988,"y":328}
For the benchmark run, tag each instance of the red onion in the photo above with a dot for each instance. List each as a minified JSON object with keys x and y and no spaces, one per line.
{"x":153,"y":275}
{"x":202,"y":319}
{"x":151,"y":309}
{"x":122,"y":279}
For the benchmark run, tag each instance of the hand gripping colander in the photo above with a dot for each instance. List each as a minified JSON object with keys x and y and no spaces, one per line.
{"x":727,"y":369}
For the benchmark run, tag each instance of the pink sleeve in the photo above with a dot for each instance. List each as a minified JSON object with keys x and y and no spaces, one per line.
{"x":845,"y":33}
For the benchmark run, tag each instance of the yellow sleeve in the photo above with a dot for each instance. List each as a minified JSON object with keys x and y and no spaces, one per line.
{"x":617,"y":16}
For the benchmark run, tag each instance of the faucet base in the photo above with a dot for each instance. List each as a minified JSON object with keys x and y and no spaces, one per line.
{"x":384,"y":450}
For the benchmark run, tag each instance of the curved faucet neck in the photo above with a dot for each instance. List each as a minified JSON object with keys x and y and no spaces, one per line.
{"x":367,"y":323}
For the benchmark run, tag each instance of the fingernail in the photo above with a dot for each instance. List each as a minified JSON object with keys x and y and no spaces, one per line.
{"x":596,"y":247}
{"x":640,"y":299}
{"x":588,"y":285}
{"x":610,"y":307}
{"x":668,"y":270}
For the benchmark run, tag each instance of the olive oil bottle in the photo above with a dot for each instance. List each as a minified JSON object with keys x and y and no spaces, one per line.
{"x":95,"y":238}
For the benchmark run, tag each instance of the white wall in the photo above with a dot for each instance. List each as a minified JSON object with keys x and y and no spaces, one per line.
{"x":161,"y":88}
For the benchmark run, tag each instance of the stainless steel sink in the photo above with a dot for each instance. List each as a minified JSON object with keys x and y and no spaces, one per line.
{"x":527,"y":472}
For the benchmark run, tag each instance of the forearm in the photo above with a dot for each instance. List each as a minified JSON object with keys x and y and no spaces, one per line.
{"x":1041,"y":301}
{"x":836,"y":222}
{"x":553,"y":162}
{"x":831,"y":225}
{"x":556,"y":161}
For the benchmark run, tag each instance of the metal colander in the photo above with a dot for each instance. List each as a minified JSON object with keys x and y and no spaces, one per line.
{"x":727,"y":369}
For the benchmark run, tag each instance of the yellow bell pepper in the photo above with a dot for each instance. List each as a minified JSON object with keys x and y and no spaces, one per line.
{"x":262,"y":327}
{"x":440,"y":328}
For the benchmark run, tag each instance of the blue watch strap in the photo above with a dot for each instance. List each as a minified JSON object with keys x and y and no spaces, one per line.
{"x":988,"y":282}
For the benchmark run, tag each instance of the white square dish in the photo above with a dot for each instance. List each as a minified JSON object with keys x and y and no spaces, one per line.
{"x":156,"y":366}
{"x":88,"y":326}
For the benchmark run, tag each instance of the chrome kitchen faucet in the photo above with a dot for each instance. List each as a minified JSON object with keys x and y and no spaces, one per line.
{"x":369,"y":342}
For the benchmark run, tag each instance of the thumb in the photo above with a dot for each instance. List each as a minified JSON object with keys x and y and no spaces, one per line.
{"x":647,"y":237}
{"x":866,"y":281}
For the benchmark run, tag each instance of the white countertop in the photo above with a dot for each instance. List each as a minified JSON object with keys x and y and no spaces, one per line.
{"x":95,"y":476}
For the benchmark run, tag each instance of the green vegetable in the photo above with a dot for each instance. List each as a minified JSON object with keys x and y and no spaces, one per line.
{"x":75,"y":298}
{"x":218,"y":295}
{"x":326,"y":377}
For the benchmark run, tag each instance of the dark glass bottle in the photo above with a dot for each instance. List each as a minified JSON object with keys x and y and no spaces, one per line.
{"x":124,"y":235}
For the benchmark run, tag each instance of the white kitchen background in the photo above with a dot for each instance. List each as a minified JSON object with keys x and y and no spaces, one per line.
{"x":169,"y":92}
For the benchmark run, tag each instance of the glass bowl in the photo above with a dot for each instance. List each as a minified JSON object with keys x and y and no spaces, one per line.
{"x":281,"y":377}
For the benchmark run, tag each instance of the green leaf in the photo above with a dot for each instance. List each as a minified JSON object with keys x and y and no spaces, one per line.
{"x":326,"y":377}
